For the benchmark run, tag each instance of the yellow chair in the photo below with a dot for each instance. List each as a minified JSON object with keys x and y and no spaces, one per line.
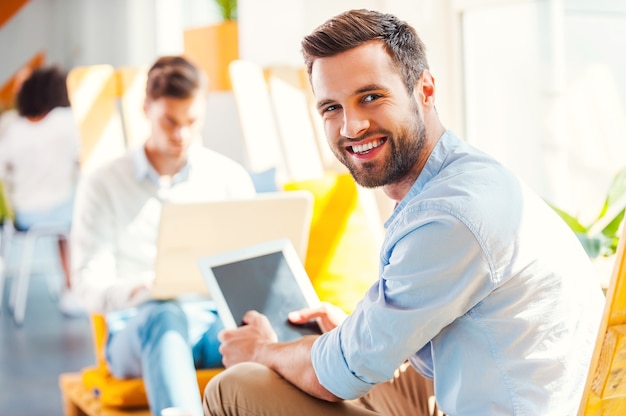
{"x":99,"y":392}
{"x":94,"y":92}
{"x":605,"y":390}
{"x":342,"y":229}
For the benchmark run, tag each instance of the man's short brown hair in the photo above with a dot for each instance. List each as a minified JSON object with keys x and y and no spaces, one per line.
{"x":175,"y":77}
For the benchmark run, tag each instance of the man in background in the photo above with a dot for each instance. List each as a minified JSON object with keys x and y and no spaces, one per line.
{"x":114,"y":239}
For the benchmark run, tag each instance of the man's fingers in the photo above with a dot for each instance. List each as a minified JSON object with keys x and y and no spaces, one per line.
{"x":305,"y":315}
{"x":250,"y":317}
{"x":256,"y":318}
{"x":225,"y":334}
{"x":295,"y":317}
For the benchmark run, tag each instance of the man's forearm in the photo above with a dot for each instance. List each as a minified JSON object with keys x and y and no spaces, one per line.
{"x":293,"y":362}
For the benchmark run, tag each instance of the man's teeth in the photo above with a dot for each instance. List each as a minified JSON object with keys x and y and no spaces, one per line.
{"x":362,"y":148}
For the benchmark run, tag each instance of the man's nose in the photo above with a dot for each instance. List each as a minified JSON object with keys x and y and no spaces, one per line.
{"x":182,"y":132}
{"x":355,"y":123}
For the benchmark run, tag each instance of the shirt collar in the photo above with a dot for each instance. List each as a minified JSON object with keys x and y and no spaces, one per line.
{"x":431,"y":168}
{"x":145,"y":170}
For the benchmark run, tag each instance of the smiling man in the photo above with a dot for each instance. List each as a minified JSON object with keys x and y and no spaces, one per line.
{"x":485,"y":297}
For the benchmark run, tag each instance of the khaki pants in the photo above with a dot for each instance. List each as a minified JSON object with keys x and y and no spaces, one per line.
{"x":253,"y":389}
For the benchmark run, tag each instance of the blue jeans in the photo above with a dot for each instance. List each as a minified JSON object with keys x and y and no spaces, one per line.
{"x":164,"y":342}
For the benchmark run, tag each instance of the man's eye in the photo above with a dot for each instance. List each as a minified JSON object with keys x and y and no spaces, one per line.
{"x":329,"y":109}
{"x":370,"y":97}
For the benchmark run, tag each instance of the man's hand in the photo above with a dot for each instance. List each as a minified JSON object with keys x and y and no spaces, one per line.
{"x":257,"y":342}
{"x":139,"y":294}
{"x":241,"y":344}
{"x":328,"y":316}
{"x":139,"y":290}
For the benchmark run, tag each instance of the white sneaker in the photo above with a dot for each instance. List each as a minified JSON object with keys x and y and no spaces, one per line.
{"x":69,"y":305}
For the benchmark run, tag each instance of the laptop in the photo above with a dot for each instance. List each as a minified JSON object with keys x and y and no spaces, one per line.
{"x":190,"y":231}
{"x":268,"y":277}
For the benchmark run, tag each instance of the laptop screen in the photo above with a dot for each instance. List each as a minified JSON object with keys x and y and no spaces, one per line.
{"x":188,"y":232}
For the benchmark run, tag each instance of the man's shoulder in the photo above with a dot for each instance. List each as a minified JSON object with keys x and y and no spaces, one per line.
{"x":112,"y":170}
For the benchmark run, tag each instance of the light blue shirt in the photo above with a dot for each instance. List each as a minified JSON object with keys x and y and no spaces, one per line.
{"x":482,"y":287}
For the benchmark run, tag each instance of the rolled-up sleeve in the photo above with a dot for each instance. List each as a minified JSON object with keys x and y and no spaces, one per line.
{"x":332,"y":371}
{"x":433,"y":271}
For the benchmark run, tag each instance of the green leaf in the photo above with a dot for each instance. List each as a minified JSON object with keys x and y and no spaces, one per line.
{"x":595,"y":246}
{"x":618,"y":187}
{"x":228,"y":9}
{"x":570,"y":220}
{"x":613,"y":228}
{"x":614,"y":206}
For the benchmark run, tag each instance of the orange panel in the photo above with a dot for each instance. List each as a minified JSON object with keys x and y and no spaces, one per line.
{"x":213,"y":48}
{"x":9,"y":89}
{"x":9,"y":8}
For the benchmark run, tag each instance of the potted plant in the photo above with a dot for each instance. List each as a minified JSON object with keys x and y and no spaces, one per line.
{"x":215,"y":46}
{"x":600,"y":237}
{"x":228,"y":9}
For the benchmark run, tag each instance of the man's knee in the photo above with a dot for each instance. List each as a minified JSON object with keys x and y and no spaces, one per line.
{"x":162,"y":318}
{"x":247,"y":379}
{"x":243,"y":376}
{"x":166,"y":312}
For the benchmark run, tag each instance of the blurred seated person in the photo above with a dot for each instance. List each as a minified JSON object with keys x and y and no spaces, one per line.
{"x":9,"y":114}
{"x":114,"y":240}
{"x":39,"y":153}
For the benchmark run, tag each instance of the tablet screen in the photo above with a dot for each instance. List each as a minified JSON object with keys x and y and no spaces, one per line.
{"x":266,"y":280}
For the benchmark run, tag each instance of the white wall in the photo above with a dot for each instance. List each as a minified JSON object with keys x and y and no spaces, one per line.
{"x":503,"y":86}
{"x":545,"y":92}
{"x":596,"y":99}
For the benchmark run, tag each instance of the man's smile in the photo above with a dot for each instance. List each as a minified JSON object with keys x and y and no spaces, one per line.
{"x":360,"y":149}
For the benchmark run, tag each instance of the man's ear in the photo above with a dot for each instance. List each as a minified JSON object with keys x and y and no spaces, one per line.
{"x":146,"y":105}
{"x":425,"y":89}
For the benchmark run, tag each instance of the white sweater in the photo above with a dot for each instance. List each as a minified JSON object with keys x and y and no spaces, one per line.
{"x":39,"y":160}
{"x":116,"y":218}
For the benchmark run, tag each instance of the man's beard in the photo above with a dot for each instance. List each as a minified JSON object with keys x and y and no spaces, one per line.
{"x":404,"y":151}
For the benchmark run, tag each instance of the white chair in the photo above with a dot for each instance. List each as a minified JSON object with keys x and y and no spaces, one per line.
{"x":6,"y":230}
{"x":9,"y":236}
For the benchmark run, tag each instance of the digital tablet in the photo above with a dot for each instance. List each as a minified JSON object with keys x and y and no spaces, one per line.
{"x":268,"y":277}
